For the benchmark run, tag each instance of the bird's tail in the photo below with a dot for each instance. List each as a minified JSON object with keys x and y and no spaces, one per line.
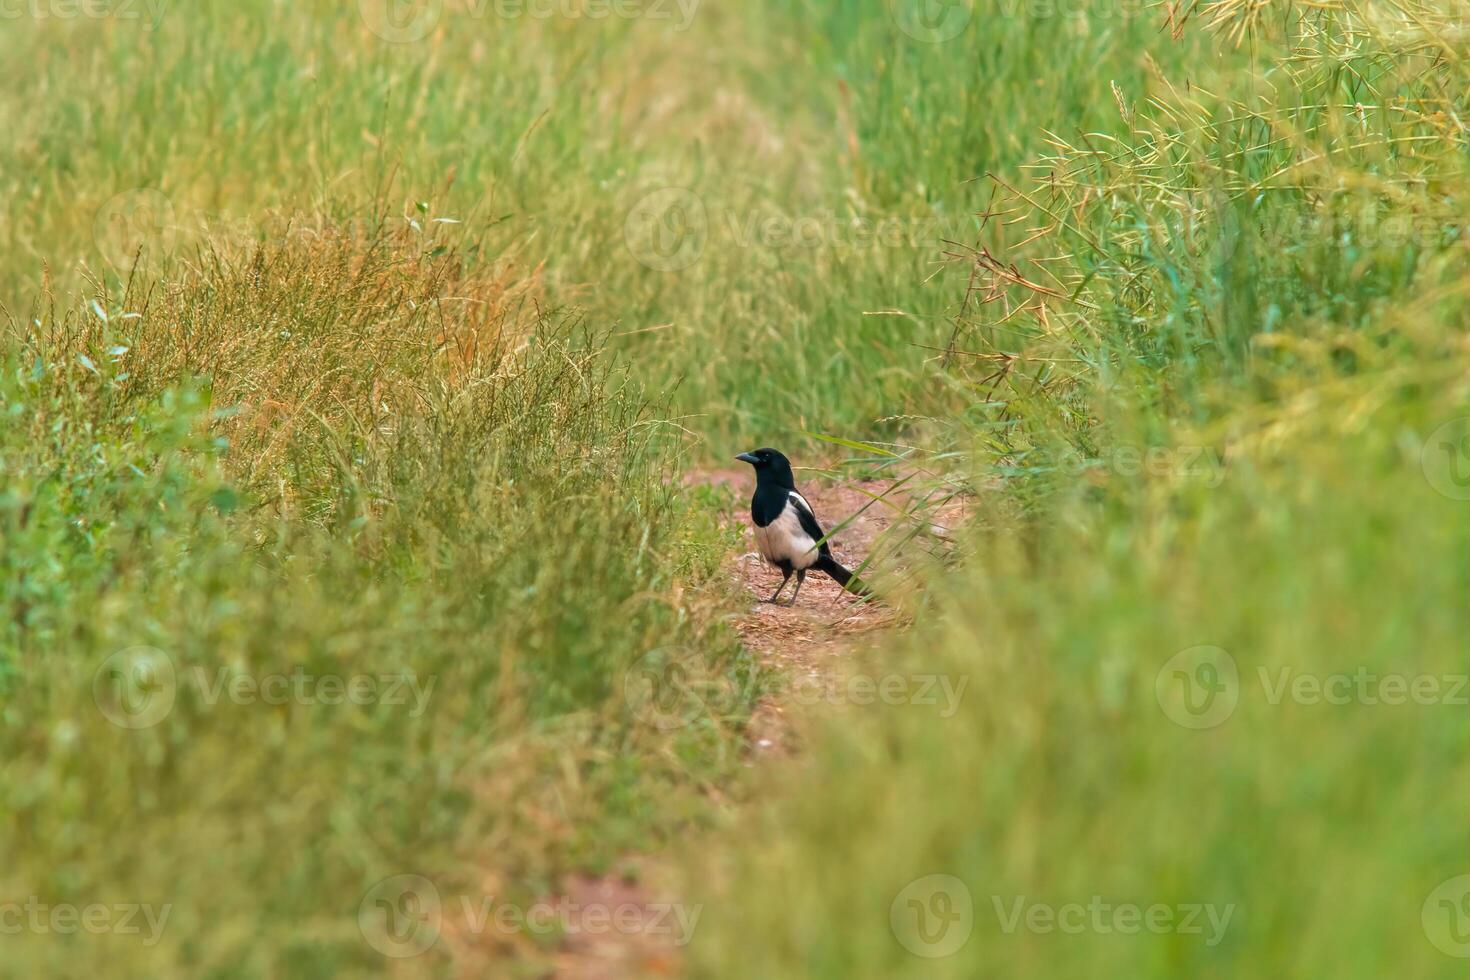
{"x":842,"y":576}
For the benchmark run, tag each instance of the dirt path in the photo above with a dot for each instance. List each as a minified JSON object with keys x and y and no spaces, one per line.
{"x":804,"y":643}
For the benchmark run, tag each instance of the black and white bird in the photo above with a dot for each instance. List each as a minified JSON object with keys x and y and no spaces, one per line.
{"x":786,"y":530}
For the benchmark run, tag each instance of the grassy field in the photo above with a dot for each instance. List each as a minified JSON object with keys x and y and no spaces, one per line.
{"x":355,"y":356}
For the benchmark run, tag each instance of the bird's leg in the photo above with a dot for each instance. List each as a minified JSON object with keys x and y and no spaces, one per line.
{"x":800,"y":578}
{"x":785,"y":577}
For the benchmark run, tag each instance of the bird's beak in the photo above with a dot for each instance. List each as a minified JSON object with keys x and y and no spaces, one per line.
{"x":747,"y":458}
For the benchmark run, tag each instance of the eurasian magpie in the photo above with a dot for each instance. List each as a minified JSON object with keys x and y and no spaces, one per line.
{"x":786,"y":530}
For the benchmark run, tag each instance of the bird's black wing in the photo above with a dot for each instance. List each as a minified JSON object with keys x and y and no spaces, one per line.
{"x":808,"y":520}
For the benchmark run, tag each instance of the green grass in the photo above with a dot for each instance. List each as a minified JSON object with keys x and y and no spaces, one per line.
{"x":1230,"y":288}
{"x":421,"y":338}
{"x":490,"y":545}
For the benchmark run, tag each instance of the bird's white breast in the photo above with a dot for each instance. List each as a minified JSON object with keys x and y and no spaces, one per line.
{"x":784,"y":540}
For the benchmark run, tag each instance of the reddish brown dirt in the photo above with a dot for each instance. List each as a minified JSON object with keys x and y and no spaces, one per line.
{"x":644,"y":946}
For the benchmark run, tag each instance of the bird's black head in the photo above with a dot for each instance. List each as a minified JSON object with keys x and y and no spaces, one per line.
{"x":770,"y":467}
